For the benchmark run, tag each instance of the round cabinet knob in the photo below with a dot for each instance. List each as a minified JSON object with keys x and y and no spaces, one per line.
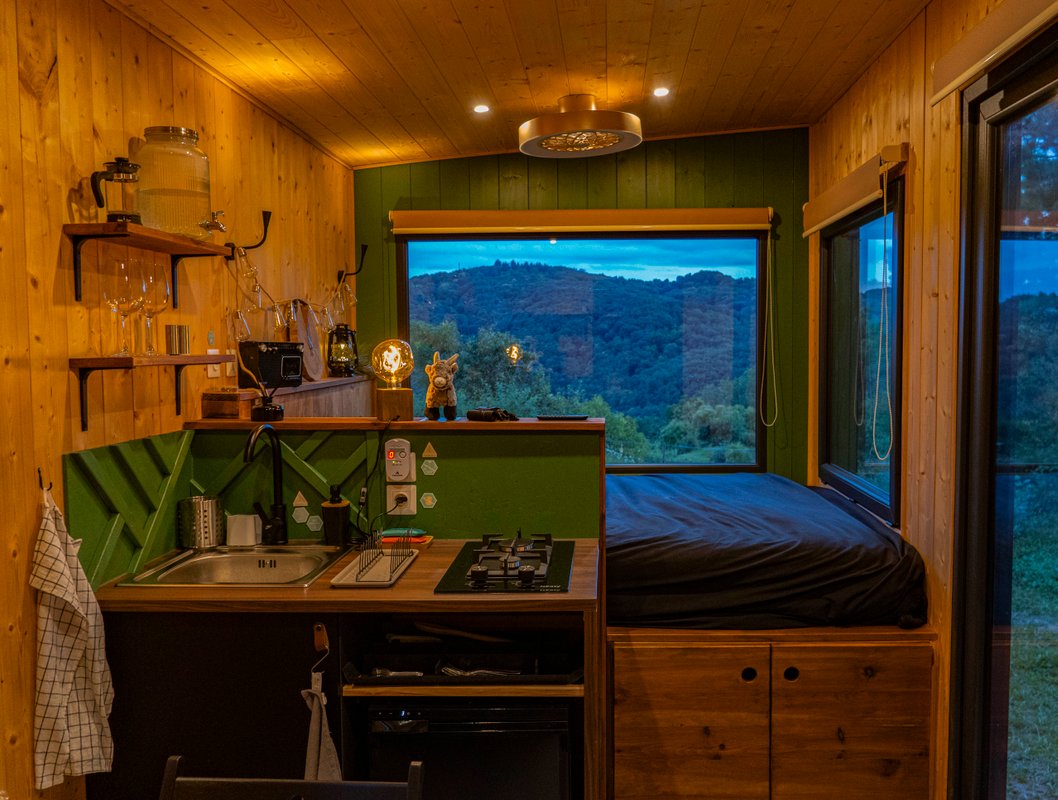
{"x":479,"y":576}
{"x":526,"y":575}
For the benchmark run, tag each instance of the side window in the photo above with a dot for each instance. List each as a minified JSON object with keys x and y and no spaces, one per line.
{"x":860,"y":355}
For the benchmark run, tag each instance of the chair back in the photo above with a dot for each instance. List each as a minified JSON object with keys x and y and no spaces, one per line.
{"x":178,"y":787}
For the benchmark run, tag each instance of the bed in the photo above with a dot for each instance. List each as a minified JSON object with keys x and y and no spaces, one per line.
{"x":752,"y":551}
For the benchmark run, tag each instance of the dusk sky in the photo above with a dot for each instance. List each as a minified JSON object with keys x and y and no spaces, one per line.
{"x":641,"y":259}
{"x":1027,"y":266}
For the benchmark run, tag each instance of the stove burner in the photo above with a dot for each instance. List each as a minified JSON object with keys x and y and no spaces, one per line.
{"x":523,"y":558}
{"x":510,"y":564}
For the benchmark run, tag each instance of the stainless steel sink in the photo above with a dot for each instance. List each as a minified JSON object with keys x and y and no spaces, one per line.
{"x":263,"y":565}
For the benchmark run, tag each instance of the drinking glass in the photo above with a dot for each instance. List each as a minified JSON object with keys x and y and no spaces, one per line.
{"x":155,"y":301}
{"x":123,"y":291}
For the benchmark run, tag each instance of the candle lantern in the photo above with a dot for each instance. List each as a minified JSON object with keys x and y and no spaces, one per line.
{"x":342,"y":357}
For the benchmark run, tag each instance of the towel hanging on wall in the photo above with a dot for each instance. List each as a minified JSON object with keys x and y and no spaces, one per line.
{"x":321,"y":757}
{"x":74,"y":692}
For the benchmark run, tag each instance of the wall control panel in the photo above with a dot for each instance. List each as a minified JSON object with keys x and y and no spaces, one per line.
{"x":400,"y":461}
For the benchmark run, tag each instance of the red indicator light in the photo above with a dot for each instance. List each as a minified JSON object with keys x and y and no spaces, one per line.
{"x":390,"y":454}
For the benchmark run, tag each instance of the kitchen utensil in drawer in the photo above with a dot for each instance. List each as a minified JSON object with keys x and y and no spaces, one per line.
{"x":200,"y":522}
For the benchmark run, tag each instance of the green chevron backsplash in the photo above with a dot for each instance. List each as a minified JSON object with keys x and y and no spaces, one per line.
{"x":121,"y":499}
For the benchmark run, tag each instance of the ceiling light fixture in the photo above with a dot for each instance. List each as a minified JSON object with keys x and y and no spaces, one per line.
{"x":661,"y":91}
{"x":579,"y":129}
{"x":481,"y":108}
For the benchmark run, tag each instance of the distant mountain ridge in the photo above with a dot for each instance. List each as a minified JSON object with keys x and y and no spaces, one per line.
{"x":643,"y":344}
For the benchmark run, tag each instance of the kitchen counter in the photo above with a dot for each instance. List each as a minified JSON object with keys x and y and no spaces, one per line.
{"x":220,"y":669}
{"x":413,"y":592}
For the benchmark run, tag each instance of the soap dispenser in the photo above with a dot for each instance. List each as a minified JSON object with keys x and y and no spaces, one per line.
{"x":335,"y":512}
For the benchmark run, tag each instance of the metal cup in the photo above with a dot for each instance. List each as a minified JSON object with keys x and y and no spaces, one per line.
{"x":177,"y":340}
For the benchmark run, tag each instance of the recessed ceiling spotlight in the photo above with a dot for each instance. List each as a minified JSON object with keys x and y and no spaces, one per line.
{"x":661,"y":91}
{"x":481,"y":108}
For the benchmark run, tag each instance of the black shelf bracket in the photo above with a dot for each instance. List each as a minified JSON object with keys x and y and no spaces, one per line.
{"x":77,"y":242}
{"x":82,"y":385}
{"x":178,"y":371}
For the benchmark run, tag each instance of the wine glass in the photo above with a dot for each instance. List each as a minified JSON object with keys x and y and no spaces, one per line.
{"x":123,"y":291}
{"x":155,"y":301}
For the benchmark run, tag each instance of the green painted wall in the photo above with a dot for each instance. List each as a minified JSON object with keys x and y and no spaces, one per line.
{"x":121,"y":500}
{"x":767,"y":168}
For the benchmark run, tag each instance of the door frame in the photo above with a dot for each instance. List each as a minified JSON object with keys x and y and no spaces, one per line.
{"x":1006,"y":91}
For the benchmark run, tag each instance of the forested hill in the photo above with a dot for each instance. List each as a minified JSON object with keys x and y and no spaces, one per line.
{"x":593,"y":332}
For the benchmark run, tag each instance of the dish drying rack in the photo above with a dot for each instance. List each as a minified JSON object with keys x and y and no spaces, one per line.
{"x":377,"y":567}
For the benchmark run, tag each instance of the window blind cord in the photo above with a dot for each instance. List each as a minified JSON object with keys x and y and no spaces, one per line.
{"x":883,"y":333}
{"x":770,"y":370}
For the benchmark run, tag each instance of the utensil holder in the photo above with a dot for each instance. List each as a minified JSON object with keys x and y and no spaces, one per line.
{"x":200,"y":522}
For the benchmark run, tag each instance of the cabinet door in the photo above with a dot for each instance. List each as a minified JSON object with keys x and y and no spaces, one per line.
{"x":850,"y":721}
{"x":222,"y":690}
{"x":690,"y":721}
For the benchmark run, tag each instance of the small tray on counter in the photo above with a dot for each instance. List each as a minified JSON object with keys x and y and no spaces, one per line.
{"x":375,"y":569}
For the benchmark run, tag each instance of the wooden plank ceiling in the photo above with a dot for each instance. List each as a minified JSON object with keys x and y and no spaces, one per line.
{"x":385,"y":81}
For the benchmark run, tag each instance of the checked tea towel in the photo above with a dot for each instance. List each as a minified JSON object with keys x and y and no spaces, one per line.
{"x":74,"y":692}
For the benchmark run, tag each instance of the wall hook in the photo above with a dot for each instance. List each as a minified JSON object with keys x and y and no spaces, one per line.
{"x":266,"y":218}
{"x":342,"y":274}
{"x":323,"y":645}
{"x":40,"y":480}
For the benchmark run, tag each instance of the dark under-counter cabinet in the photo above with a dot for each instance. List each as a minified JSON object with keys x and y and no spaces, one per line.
{"x":221,"y":689}
{"x":694,"y":717}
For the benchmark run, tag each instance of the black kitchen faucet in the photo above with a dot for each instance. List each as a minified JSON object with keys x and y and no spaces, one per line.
{"x":274,"y":527}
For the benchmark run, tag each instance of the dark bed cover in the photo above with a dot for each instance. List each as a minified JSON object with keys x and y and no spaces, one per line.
{"x":750,"y":550}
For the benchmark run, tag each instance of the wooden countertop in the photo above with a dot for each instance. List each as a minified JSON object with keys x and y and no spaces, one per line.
{"x":413,"y":592}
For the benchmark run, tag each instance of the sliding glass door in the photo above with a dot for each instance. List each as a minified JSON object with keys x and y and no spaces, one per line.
{"x":1007,"y":591}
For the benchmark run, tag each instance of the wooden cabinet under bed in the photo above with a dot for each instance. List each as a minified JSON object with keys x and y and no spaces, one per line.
{"x":810,"y":714}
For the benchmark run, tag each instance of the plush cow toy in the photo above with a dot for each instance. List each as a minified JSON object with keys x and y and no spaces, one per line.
{"x":441,"y":392}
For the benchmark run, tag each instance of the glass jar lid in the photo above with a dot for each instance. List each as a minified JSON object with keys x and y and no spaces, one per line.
{"x":170,"y":130}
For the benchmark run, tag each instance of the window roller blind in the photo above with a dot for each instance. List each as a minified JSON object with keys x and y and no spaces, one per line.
{"x":412,"y":223}
{"x":857,"y":189}
{"x":1006,"y":28}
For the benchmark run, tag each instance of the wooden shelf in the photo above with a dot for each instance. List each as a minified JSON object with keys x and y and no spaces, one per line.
{"x":476,"y":690}
{"x":133,"y":235}
{"x":85,"y":366}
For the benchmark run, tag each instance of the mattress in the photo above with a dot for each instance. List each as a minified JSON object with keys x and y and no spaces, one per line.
{"x":752,"y":551}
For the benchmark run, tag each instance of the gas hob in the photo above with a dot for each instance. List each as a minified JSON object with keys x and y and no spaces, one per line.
{"x":515,"y":564}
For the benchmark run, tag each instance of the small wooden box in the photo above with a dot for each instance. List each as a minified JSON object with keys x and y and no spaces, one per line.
{"x":228,"y":404}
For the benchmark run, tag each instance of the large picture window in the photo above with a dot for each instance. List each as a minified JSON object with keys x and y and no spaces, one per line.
{"x":859,"y":449}
{"x":659,"y":334}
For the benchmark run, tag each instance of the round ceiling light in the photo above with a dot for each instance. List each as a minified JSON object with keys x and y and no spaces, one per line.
{"x":579,"y":129}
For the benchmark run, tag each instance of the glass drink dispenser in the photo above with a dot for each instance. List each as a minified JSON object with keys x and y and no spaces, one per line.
{"x":174,"y":182}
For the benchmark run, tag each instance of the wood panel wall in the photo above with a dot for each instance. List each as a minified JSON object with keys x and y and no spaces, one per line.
{"x":78,"y":84}
{"x":757,"y":169}
{"x":891,"y":103}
